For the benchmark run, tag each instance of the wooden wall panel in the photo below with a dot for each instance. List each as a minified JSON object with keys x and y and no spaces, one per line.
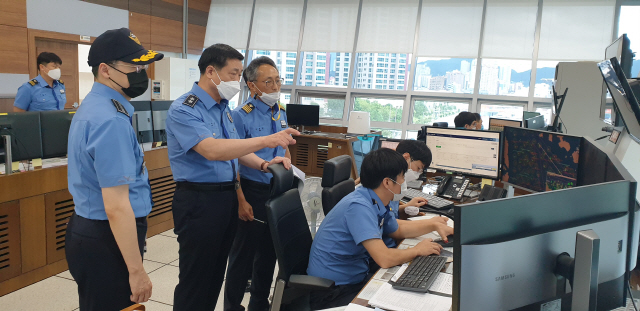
{"x":140,"y":25}
{"x":118,"y":4}
{"x":6,"y":104}
{"x":202,"y":5}
{"x":33,"y":234}
{"x":28,"y":184}
{"x":9,"y":240}
{"x":13,"y":13}
{"x":14,"y":50}
{"x":59,"y":208}
{"x":166,"y":35}
{"x":140,"y":6}
{"x":167,"y":9}
{"x":195,"y":39}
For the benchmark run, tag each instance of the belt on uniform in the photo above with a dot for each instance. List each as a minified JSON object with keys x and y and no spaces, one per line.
{"x":208,"y":187}
{"x":254,"y":184}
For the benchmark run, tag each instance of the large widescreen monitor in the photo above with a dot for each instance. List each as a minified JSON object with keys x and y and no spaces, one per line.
{"x":540,"y":161}
{"x":624,"y":100}
{"x":469,"y":152}
{"x":26,"y":139}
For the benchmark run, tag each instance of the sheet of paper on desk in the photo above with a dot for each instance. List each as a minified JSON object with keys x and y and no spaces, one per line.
{"x":386,"y":274}
{"x":443,"y":284}
{"x":370,"y":290}
{"x":298,"y":173}
{"x":429,"y":216}
{"x":355,"y":307}
{"x":390,"y":299}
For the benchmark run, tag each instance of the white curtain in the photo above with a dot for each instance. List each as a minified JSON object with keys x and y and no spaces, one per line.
{"x":276,"y":25}
{"x":228,"y":23}
{"x":387,"y":26}
{"x":509,"y":29}
{"x":330,"y":25}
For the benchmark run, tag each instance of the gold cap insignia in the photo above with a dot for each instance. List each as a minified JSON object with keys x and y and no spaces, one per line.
{"x":134,"y":38}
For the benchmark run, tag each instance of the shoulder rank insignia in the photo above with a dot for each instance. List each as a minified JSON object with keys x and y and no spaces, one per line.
{"x":191,"y":100}
{"x":119,"y":107}
{"x":60,"y":81}
{"x":33,"y":82}
{"x":281,"y":107}
{"x":248,"y":108}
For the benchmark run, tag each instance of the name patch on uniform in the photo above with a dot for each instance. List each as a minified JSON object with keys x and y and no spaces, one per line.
{"x":191,"y":100}
{"x":283,"y":124}
{"x":229,"y":116}
{"x":61,"y":91}
{"x":119,"y":107}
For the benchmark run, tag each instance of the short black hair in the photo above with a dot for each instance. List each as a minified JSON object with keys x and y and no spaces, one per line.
{"x":464,"y":118}
{"x":46,"y":57}
{"x":417,"y":150}
{"x":380,"y":164}
{"x":251,"y":72}
{"x":217,"y":56}
{"x":478,"y":116}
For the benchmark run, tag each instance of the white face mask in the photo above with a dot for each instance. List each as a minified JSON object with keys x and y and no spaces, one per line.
{"x":398,"y":196}
{"x":268,"y":98}
{"x":55,"y":74}
{"x":411,"y":175}
{"x":227,"y":89}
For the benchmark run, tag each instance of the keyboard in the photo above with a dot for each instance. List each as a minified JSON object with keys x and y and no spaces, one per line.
{"x":433,"y":201}
{"x":420,"y":274}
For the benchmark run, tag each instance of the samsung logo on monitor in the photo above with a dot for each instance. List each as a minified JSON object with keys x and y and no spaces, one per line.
{"x":505,"y":277}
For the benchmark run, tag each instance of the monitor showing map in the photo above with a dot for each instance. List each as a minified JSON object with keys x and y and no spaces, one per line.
{"x":540,"y":161}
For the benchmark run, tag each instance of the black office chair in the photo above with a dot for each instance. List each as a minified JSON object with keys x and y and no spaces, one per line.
{"x":336,"y":181}
{"x":291,"y":240}
{"x":440,"y":124}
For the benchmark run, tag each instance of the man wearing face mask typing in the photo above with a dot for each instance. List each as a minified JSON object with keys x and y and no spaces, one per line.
{"x":252,"y":254}
{"x":44,"y":92}
{"x":205,"y":151}
{"x":108,"y":179}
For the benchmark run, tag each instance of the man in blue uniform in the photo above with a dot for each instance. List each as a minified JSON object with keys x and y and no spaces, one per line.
{"x":204,"y":152}
{"x":44,"y":92}
{"x":252,"y":249}
{"x":466,"y":120}
{"x":108,"y":179}
{"x":351,"y":234}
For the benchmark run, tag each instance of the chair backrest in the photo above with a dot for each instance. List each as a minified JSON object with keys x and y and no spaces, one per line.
{"x":336,"y":181}
{"x":441,"y":124}
{"x":288,"y":224}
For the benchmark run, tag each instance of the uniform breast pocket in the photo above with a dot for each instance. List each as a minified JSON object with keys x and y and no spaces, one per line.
{"x":257,"y":131}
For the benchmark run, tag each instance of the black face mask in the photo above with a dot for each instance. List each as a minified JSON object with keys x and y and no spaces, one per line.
{"x":138,"y":83}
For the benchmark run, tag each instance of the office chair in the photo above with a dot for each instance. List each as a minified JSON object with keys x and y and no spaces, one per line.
{"x":440,"y":124}
{"x":291,"y":239}
{"x":336,"y":181}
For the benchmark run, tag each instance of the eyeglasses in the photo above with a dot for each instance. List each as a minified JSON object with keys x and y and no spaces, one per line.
{"x":137,"y":67}
{"x":268,"y":83}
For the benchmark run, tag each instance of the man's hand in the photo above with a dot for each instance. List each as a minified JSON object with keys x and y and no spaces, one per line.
{"x":440,"y":225}
{"x":245,"y":211}
{"x":417,"y":201}
{"x":140,"y":286}
{"x":282,"y":138}
{"x":285,"y":161}
{"x":427,"y":247}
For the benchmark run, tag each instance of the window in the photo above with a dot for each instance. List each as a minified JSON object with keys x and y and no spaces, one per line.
{"x":285,"y":98}
{"x":545,"y":73}
{"x":381,"y":68}
{"x":380,"y":76}
{"x":280,"y":63}
{"x":345,"y":80}
{"x":379,"y":81}
{"x":337,"y":58}
{"x":450,"y":75}
{"x":401,"y":66}
{"x":545,"y":110}
{"x":308,"y":70}
{"x":321,"y":64}
{"x":381,"y":59}
{"x":291,"y":62}
{"x":321,"y":57}
{"x":502,"y":111}
{"x":389,"y":133}
{"x":392,"y":70}
{"x":393,"y":65}
{"x":290,"y":69}
{"x":412,"y":135}
{"x":505,"y":77}
{"x":289,"y":76}
{"x":401,"y":77}
{"x":308,"y":56}
{"x":307,"y":84}
{"x":309,"y":64}
{"x":629,"y":25}
{"x":345,"y":75}
{"x":320,"y":71}
{"x":308,"y":77}
{"x":291,"y":55}
{"x":400,"y":87}
{"x":392,"y":76}
{"x":330,"y":108}
{"x":426,"y":112}
{"x":331,"y":67}
{"x":380,"y":109}
{"x":319,"y":78}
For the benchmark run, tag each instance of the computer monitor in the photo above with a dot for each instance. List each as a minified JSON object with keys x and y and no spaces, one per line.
{"x":534,"y":123}
{"x":303,"y":114}
{"x":625,"y":101}
{"x":389,"y":143}
{"x":142,"y":121}
{"x":506,"y":250}
{"x":26,"y":139}
{"x":529,"y":114}
{"x":469,"y":152}
{"x":540,"y":161}
{"x":55,"y":132}
{"x":497,"y":125}
{"x":363,"y":146}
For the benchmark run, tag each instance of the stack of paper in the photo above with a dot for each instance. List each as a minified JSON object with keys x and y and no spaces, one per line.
{"x":390,"y":299}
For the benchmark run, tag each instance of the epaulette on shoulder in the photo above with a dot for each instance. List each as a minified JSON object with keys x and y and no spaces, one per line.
{"x":191,"y":100}
{"x":120,"y":108}
{"x":60,"y":81}
{"x":33,"y":82}
{"x":281,"y":107}
{"x":248,"y":108}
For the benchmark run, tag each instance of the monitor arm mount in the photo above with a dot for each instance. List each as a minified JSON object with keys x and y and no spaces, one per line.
{"x":581,"y":271}
{"x":557,"y":126}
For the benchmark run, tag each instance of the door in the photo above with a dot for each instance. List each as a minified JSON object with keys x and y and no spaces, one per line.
{"x":68,"y":52}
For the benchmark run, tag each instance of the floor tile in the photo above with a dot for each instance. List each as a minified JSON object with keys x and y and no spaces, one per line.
{"x":169,"y":233}
{"x":66,"y":275}
{"x":150,"y":266}
{"x":52,"y":294}
{"x":162,"y":249}
{"x":175,"y":263}
{"x":164,"y":282}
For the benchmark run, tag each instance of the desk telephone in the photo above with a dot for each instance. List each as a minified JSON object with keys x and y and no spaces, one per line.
{"x":453,"y":187}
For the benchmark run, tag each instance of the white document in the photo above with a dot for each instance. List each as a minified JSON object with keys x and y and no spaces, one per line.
{"x":355,"y":307}
{"x":443,"y":284}
{"x":449,"y":268}
{"x":385,"y":275}
{"x":398,"y":300}
{"x":298,"y":173}
{"x":370,"y":290}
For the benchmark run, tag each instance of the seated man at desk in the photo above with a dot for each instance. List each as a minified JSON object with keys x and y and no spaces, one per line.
{"x":466,"y":120}
{"x":351,"y":235}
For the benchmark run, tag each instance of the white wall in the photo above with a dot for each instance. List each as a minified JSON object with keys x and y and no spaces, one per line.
{"x":74,"y":17}
{"x":10,"y":82}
